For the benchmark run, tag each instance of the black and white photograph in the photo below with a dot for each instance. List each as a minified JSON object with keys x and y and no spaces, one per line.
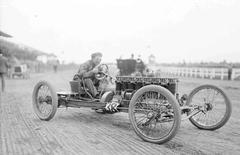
{"x":119,"y":77}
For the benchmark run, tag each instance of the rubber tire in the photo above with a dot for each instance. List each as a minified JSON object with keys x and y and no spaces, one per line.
{"x":174,"y":103}
{"x":228,"y":108}
{"x":54,"y":100}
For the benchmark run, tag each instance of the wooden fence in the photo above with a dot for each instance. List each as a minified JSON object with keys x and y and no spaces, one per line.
{"x":236,"y":74}
{"x":199,"y":72}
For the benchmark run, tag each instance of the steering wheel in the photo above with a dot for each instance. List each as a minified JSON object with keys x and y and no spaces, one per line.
{"x":103,"y":68}
{"x":103,"y":72}
{"x":100,"y":76}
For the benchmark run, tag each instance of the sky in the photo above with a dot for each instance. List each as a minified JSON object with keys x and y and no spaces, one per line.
{"x":172,"y":30}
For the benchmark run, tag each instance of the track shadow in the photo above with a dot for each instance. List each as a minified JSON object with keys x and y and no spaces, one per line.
{"x":87,"y":116}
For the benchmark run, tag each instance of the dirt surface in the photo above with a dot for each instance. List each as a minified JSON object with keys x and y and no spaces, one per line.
{"x":82,"y":131}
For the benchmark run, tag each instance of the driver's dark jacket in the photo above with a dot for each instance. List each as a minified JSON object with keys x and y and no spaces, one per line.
{"x":85,"y":70}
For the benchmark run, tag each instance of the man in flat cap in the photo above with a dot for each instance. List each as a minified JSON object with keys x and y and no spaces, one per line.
{"x":88,"y":70}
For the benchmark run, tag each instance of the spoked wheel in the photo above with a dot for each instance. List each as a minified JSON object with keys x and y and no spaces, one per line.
{"x":213,"y":105}
{"x":45,"y":100}
{"x":154,"y":114}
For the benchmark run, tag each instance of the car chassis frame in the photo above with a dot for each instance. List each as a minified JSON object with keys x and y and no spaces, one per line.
{"x":155,"y":100}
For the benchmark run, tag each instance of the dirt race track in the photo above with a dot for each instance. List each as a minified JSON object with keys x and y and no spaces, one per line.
{"x":82,"y":131}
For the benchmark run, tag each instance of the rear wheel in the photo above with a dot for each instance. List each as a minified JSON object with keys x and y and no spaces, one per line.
{"x":45,"y":100}
{"x":154,"y":114}
{"x":213,"y":105}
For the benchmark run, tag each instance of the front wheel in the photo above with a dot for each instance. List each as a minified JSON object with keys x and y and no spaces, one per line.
{"x":214,"y":107}
{"x":154,"y":114}
{"x":45,"y":100}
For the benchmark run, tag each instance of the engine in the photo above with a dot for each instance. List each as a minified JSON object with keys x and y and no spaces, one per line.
{"x":126,"y":86}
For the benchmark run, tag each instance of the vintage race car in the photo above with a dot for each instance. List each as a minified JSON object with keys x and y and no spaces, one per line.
{"x":153,"y":104}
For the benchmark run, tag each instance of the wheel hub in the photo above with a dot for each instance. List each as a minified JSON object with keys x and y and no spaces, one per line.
{"x":150,"y":115}
{"x":208,"y":106}
{"x":47,"y":99}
